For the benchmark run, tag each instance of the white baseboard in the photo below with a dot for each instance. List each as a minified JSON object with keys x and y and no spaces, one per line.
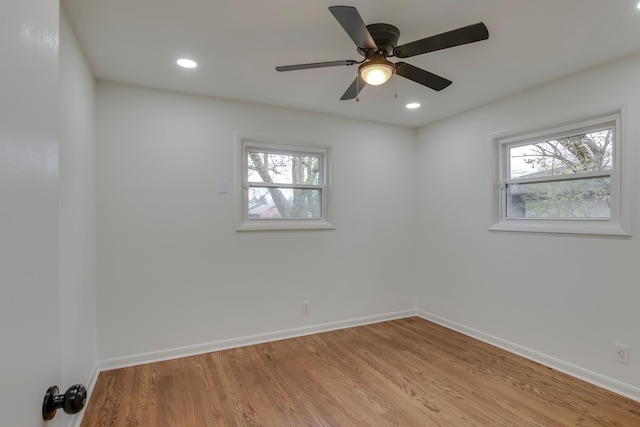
{"x":192,"y":350}
{"x":618,"y":387}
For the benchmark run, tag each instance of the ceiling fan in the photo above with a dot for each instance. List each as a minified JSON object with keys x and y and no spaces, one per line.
{"x":377,"y":42}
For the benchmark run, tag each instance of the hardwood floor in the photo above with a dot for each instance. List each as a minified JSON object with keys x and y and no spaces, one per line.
{"x":407,"y":372}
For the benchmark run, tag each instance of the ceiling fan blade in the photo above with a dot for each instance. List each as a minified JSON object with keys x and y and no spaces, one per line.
{"x":354,"y":89}
{"x":470,"y":34}
{"x":421,"y":76}
{"x":353,"y":24}
{"x":315,"y":65}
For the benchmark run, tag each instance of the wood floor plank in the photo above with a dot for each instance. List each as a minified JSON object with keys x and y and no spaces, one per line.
{"x":407,"y":372}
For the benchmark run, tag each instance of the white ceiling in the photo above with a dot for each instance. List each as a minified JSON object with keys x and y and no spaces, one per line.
{"x":238,"y":44}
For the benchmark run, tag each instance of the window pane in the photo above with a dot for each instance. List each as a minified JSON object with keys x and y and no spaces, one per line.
{"x":580,"y":198}
{"x":283,"y":168}
{"x":574,"y":154}
{"x":265,"y":203}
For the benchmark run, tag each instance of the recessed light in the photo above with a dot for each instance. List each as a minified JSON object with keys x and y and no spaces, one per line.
{"x":413,"y":105}
{"x":638,"y":5}
{"x":187,"y":63}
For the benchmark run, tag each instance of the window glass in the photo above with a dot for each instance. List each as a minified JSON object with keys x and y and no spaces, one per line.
{"x":282,"y":168}
{"x":276,"y":202}
{"x":586,"y":152}
{"x":578,"y":198}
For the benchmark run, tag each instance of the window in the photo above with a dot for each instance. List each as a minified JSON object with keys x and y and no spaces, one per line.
{"x":284,"y":187}
{"x":562,"y":180}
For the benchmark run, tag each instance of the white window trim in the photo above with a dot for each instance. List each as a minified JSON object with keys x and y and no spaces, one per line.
{"x":244,"y":223}
{"x":619,"y":224}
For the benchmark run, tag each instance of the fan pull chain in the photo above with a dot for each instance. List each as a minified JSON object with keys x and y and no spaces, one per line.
{"x":395,"y":86}
{"x":357,"y":89}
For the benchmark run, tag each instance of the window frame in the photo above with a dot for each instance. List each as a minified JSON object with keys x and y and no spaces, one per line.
{"x":275,"y":224}
{"x":618,"y":224}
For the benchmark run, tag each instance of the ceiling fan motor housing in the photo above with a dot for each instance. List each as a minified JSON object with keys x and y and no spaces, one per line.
{"x":385,"y":36}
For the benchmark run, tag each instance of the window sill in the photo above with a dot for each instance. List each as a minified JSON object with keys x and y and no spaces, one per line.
{"x":285,"y":225}
{"x":592,"y":228}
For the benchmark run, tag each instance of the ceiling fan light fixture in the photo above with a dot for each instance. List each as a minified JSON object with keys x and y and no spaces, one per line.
{"x":376,"y":71}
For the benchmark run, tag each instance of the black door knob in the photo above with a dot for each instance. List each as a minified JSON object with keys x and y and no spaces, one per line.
{"x":71,"y":402}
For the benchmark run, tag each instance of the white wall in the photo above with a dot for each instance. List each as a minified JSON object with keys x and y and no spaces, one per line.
{"x":77,"y":201}
{"x":172,"y":269}
{"x":29,"y":312}
{"x":567,"y":297}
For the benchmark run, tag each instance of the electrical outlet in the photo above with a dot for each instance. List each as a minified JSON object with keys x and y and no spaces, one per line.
{"x":622,"y":353}
{"x":306,"y":307}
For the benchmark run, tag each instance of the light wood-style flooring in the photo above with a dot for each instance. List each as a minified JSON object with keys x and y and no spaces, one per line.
{"x":407,"y":372}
